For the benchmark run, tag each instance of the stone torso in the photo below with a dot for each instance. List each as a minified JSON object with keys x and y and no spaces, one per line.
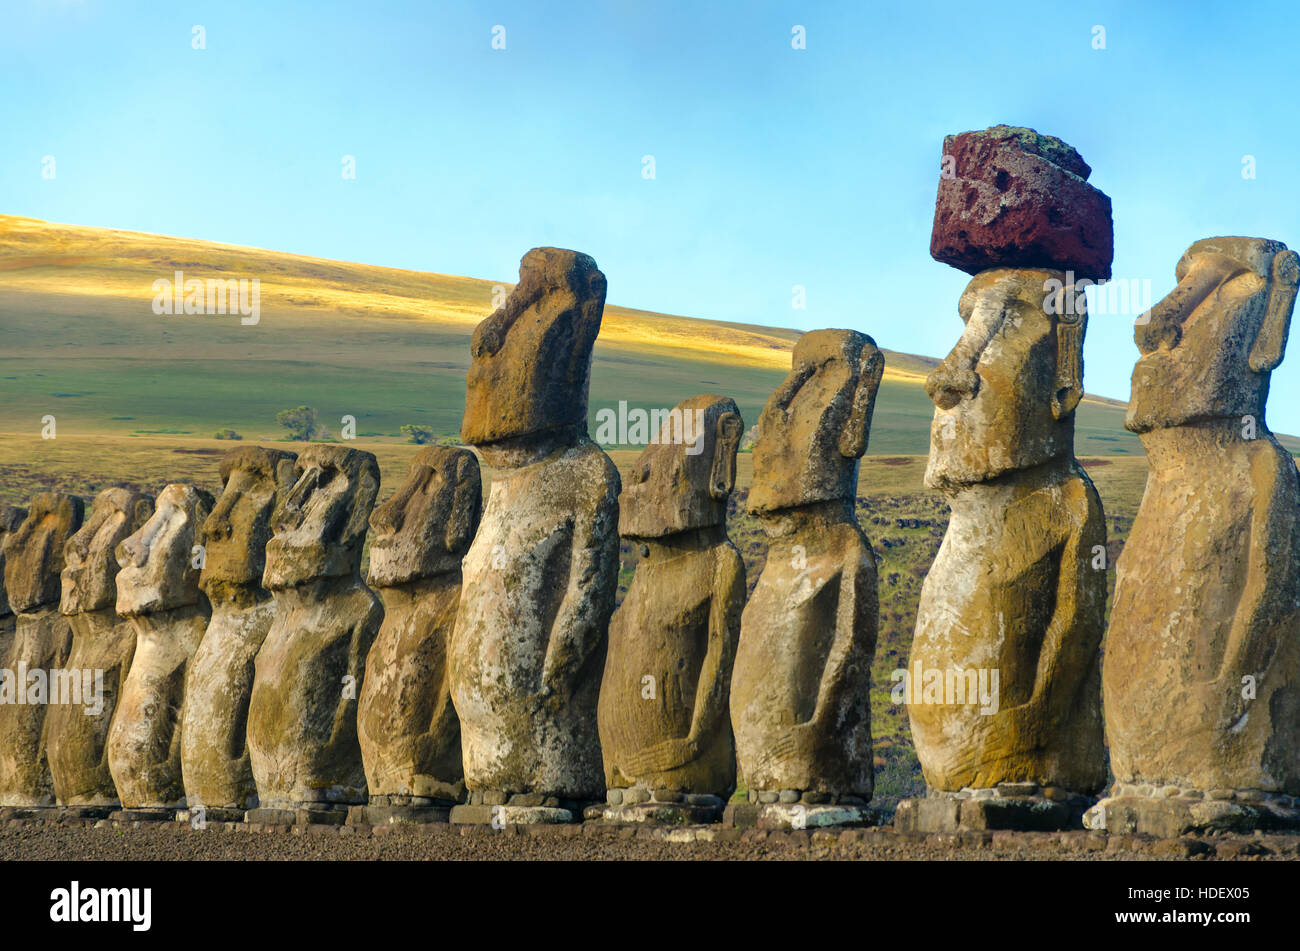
{"x":41,"y":642}
{"x":814,"y":585}
{"x":214,"y":743}
{"x":1192,"y":619}
{"x":302,"y":735}
{"x":994,"y":601}
{"x":539,"y":584}
{"x":144,"y":740}
{"x":78,"y":737}
{"x":410,"y":738}
{"x":662,"y":630}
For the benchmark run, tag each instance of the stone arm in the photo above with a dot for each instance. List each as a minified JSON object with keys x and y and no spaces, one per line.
{"x":1271,"y":568}
{"x":712,"y":691}
{"x":581,"y":621}
{"x":360,"y":638}
{"x":713,"y":688}
{"x":1072,"y":640}
{"x":856,"y":622}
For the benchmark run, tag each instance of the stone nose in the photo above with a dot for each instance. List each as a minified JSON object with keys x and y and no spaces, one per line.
{"x":948,"y":385}
{"x":133,"y":552}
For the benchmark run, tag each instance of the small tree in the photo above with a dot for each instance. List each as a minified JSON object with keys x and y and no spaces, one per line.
{"x":300,"y":421}
{"x":226,"y":434}
{"x":417,"y":434}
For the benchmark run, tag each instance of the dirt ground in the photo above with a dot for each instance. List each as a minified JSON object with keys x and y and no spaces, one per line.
{"x":86,"y":840}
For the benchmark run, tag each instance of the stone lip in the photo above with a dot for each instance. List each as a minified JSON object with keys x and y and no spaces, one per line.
{"x":1011,"y":197}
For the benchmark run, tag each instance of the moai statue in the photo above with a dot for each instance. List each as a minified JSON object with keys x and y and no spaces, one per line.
{"x":30,"y":674}
{"x":103,"y":644}
{"x":11,"y":516}
{"x":665,"y":727}
{"x":799,"y":693}
{"x":158,"y":590}
{"x":540,"y":578}
{"x":1003,"y":685}
{"x":407,"y":724}
{"x":302,"y":718}
{"x":214,"y":742}
{"x":1202,"y":666}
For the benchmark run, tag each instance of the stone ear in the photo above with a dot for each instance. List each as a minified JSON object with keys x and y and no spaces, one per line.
{"x":1068,"y":390}
{"x":1270,"y":343}
{"x":853,"y":439}
{"x":466,"y":506}
{"x":363,"y":502}
{"x":722,"y":478}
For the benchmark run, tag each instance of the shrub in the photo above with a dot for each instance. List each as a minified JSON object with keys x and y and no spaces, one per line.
{"x":300,"y":421}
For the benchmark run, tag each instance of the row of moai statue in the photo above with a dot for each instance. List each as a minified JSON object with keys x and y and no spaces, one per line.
{"x":251,"y":671}
{"x":484,"y":675}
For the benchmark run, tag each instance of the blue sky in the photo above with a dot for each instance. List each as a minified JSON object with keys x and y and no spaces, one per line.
{"x":774,"y":167}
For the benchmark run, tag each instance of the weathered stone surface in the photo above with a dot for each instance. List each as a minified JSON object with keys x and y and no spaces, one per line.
{"x":817,"y":423}
{"x":219,"y":683}
{"x":532,"y":357}
{"x":158,"y":589}
{"x":102,"y":646}
{"x":540,"y":578}
{"x":1016,"y":591}
{"x":680,"y":619}
{"x":803,"y":665}
{"x":38,"y":648}
{"x":302,"y":717}
{"x":1202,"y":666}
{"x":11,"y":516}
{"x":1010,"y":197}
{"x":407,"y":724}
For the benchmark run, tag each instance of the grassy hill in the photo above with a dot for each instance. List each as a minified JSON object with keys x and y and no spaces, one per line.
{"x":384,"y":345}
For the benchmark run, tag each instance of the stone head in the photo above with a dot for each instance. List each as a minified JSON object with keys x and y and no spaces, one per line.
{"x":815,"y":426}
{"x":235,"y":534}
{"x":1209,"y":347}
{"x":532,"y":357}
{"x":34,"y":551}
{"x":428,"y":524}
{"x":11,"y":516}
{"x":1005,"y":396}
{"x":89,"y":557}
{"x":159,"y":571}
{"x":319,"y":527}
{"x":682,"y":480}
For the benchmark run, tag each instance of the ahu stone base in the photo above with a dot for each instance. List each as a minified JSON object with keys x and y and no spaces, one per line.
{"x":197,"y":815}
{"x":781,"y":816}
{"x":306,"y":813}
{"x":1167,"y":811}
{"x":1024,"y":807}
{"x":400,"y":810}
{"x":641,"y":806}
{"x":145,"y":814}
{"x":496,"y":808}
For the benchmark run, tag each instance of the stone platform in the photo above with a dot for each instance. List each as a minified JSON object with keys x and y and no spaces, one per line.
{"x":315,"y":813}
{"x":497,"y":808}
{"x":1008,"y":806}
{"x":1169,"y":811}
{"x":638,"y":806}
